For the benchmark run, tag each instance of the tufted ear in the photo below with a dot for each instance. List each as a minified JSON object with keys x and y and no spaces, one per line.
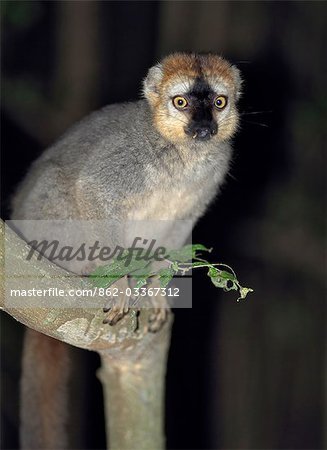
{"x":237,"y":81}
{"x":151,"y":83}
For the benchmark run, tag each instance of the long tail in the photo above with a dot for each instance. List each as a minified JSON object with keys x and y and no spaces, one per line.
{"x":44,"y":392}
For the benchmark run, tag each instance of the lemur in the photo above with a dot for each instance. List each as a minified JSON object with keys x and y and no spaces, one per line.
{"x":162,"y":157}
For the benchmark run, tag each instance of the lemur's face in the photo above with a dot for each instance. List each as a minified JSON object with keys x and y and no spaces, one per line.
{"x":194,"y":98}
{"x":199,"y":108}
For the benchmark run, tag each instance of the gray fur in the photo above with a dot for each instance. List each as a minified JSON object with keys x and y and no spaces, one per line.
{"x":116,"y":154}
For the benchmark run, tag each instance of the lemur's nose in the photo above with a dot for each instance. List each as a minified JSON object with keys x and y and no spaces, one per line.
{"x":202,"y":133}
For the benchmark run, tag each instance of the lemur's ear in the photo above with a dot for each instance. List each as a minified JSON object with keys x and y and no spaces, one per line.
{"x":151,"y":83}
{"x":237,"y":81}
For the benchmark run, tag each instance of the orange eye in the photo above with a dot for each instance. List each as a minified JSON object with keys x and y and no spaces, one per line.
{"x":220,"y":102}
{"x":180,"y":102}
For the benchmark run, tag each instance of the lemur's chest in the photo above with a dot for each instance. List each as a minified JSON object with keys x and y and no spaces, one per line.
{"x":175,"y":194}
{"x":169,"y":202}
{"x":163,"y":204}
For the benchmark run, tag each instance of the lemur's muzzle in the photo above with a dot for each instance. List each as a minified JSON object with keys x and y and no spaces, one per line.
{"x":202,"y":132}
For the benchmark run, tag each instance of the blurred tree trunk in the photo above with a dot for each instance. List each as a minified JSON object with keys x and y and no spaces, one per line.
{"x":73,"y":90}
{"x":76,"y":76}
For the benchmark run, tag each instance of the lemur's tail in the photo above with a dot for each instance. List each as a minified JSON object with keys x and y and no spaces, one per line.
{"x":44,"y":392}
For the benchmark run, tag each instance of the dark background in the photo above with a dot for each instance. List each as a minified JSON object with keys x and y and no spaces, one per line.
{"x":247,"y":375}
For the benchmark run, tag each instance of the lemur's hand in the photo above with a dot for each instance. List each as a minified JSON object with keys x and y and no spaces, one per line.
{"x":118,"y":303}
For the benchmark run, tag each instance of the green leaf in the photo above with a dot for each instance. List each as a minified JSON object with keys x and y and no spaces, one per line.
{"x":165,"y":276}
{"x":200,"y":247}
{"x":222,"y":279}
{"x":105,"y":276}
{"x":213,"y":272}
{"x":218,"y":282}
{"x":186,"y":253}
{"x":227,"y":275}
{"x":141,"y":270}
{"x":141,"y":282}
{"x":183,"y":254}
{"x":141,"y":275}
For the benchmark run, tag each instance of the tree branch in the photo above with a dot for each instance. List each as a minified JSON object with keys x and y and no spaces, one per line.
{"x":133,"y":361}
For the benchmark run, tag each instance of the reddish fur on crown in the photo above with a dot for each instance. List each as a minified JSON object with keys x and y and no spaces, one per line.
{"x":192,"y":65}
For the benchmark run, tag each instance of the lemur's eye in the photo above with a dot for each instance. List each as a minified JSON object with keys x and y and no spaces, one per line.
{"x":220,"y":102}
{"x":180,"y":102}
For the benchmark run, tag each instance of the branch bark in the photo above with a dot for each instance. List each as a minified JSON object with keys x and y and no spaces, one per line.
{"x":133,"y":362}
{"x":137,"y":389}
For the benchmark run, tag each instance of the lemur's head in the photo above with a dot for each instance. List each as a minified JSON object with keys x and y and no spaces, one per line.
{"x":193,"y":97}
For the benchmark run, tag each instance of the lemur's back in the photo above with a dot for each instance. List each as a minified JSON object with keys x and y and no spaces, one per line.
{"x":95,"y":150}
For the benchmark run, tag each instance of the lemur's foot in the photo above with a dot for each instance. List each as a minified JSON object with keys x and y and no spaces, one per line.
{"x":120,"y":305}
{"x":116,"y":312}
{"x":160,"y":312}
